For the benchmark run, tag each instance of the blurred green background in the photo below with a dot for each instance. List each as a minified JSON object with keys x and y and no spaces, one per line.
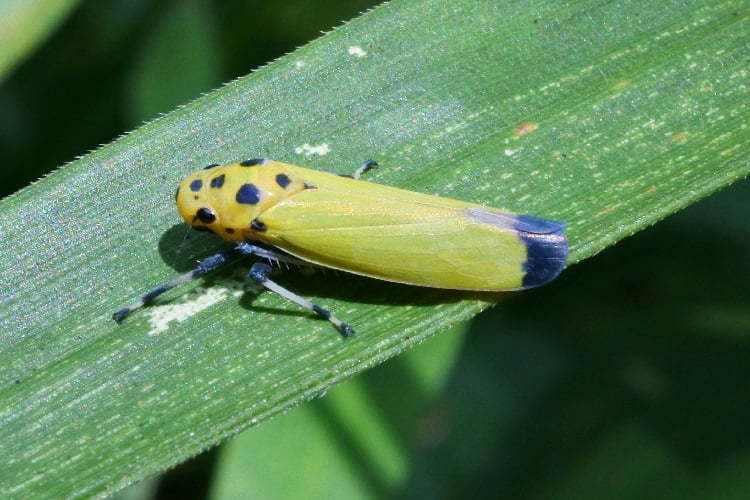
{"x":626,"y":378}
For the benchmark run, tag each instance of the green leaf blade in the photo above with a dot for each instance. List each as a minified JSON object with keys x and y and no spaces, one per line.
{"x":607,"y":117}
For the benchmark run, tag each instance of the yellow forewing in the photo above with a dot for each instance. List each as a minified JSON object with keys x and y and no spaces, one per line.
{"x":397,"y":235}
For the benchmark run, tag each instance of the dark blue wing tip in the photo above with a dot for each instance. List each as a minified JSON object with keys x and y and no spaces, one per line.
{"x":546,"y":249}
{"x":537,"y":225}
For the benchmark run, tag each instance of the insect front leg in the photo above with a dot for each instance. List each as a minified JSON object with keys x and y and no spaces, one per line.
{"x":259,"y":273}
{"x":205,"y":265}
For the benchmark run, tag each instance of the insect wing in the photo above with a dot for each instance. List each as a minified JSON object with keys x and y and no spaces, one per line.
{"x":396,"y":235}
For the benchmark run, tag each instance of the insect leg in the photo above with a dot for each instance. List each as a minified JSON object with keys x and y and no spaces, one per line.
{"x":368,"y":165}
{"x":204,"y":266}
{"x":259,"y":273}
{"x":247,"y":248}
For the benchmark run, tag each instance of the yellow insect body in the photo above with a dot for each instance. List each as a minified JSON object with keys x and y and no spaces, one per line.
{"x":372,"y":229}
{"x":363,"y":228}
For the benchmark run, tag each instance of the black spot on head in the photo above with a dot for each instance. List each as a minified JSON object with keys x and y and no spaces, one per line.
{"x":248,"y":194}
{"x":196,"y":185}
{"x":282,"y":180}
{"x":217,"y":182}
{"x":210,"y":166}
{"x":205,"y":215}
{"x":258,"y":225}
{"x":252,"y":161}
{"x":229,"y":230}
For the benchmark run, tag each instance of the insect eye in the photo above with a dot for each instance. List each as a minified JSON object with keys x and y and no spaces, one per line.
{"x":205,"y":215}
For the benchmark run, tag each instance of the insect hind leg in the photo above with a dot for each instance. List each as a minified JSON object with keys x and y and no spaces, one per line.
{"x":259,"y":274}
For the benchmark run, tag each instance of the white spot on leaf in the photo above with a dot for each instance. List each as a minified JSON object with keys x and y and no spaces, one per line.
{"x":161,"y":316}
{"x":308,"y":150}
{"x":357,"y":51}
